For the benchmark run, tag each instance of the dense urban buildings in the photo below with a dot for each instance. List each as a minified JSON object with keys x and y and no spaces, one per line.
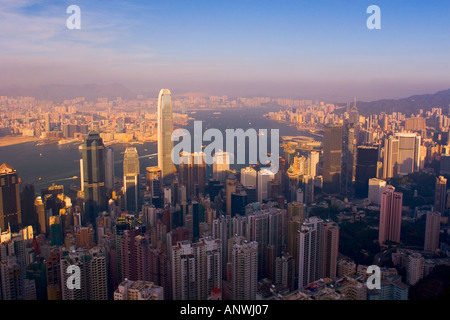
{"x":138,"y":227}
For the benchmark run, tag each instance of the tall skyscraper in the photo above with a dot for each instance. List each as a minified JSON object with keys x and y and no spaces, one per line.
{"x":390,"y":215}
{"x":93,"y":176}
{"x":109,"y":169}
{"x":10,"y":210}
{"x":264,"y":177}
{"x":432,"y":230}
{"x":330,"y":249}
{"x":349,"y":155}
{"x":390,"y":158}
{"x":131,"y":179}
{"x":366,"y":168}
{"x":310,"y":251}
{"x":408,"y":152}
{"x":244,"y":269}
{"x":332,"y":158}
{"x":248,"y":177}
{"x":192,"y":172}
{"x":230,"y":188}
{"x":313,"y":162}
{"x":221,"y":165}
{"x":165,"y":128}
{"x":440,"y":195}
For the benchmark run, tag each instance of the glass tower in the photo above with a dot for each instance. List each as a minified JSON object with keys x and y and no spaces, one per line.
{"x":131,"y":179}
{"x":165,"y":128}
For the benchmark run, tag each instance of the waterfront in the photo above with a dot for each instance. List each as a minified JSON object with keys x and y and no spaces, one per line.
{"x":59,"y":163}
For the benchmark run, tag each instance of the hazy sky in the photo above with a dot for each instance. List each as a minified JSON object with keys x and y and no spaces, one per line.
{"x":291,"y":48}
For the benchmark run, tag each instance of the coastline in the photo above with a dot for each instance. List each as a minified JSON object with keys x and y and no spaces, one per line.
{"x":13,"y":140}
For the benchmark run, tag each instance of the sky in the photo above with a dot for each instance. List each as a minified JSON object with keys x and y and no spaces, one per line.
{"x":282,"y":48}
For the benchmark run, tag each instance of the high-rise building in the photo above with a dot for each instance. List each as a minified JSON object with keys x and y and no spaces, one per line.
{"x":415,"y":268}
{"x":311,"y":256}
{"x":332,"y":158}
{"x":258,"y":230}
{"x":330,"y":249}
{"x":165,"y":128}
{"x":230,"y":188}
{"x":264,"y":176}
{"x":432,"y":229}
{"x":349,"y":154}
{"x":366,"y":168}
{"x":221,"y":165}
{"x":285,"y":271}
{"x":27,"y":197}
{"x":440,"y":195}
{"x":131,"y":179}
{"x":248,"y":177}
{"x":93,"y":176}
{"x":376,"y":188}
{"x":390,"y":215}
{"x":192,"y":172}
{"x":196,"y":269}
{"x":109,"y":169}
{"x":244,"y":270}
{"x":10,"y":210}
{"x":408,"y":152}
{"x":390,"y":158}
{"x":313,"y":162}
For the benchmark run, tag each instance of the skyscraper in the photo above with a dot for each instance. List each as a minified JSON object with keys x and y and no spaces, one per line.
{"x":366,"y":168}
{"x":193,"y":173}
{"x":244,"y":269}
{"x":376,"y":188}
{"x":415,"y":268}
{"x":332,"y":158}
{"x":109,"y":169}
{"x":349,"y":155}
{"x":408,"y":152}
{"x":390,"y":158}
{"x":264,"y":176}
{"x":390,"y":215}
{"x":165,"y":128}
{"x":432,"y":230}
{"x":440,"y":194}
{"x":131,"y":179}
{"x":221,"y":165}
{"x":331,"y":249}
{"x":93,"y":176}
{"x":10,"y":210}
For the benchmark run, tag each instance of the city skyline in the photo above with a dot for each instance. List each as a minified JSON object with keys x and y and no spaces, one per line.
{"x":299,"y":49}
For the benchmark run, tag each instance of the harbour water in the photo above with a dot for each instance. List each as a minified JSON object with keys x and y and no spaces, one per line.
{"x":59,"y":163}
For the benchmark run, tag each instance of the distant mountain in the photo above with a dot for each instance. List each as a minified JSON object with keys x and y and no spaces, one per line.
{"x":60,"y":92}
{"x":410,"y":105}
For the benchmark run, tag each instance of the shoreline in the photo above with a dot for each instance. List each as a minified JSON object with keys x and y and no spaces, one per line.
{"x":7,"y":141}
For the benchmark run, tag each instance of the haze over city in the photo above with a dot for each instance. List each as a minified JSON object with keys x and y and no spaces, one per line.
{"x":299,"y":49}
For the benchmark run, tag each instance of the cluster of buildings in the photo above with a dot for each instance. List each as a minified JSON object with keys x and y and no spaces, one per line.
{"x":196,"y":231}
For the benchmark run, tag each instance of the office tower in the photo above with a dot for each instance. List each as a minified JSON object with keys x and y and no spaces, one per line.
{"x":192,"y":172}
{"x":165,"y":128}
{"x":131,"y":179}
{"x":332,"y":154}
{"x":330,"y":249}
{"x":153,"y":179}
{"x":239,"y":200}
{"x":313,"y":163}
{"x":285,"y":271}
{"x":40,"y":212}
{"x":432,"y":230}
{"x":440,"y":195}
{"x":415,"y":268}
{"x":408,"y":152}
{"x":56,"y":230}
{"x":27,"y":198}
{"x":221,"y":165}
{"x":366,"y":168}
{"x":264,"y":176}
{"x":230,"y":188}
{"x":47,"y":122}
{"x":196,"y":269}
{"x":248,"y":177}
{"x":138,"y":290}
{"x":93,"y":177}
{"x":391,"y":158}
{"x":244,"y":270}
{"x":311,"y":256}
{"x":109,"y":169}
{"x":376,"y":188}
{"x":10,"y":210}
{"x":349,"y":155}
{"x":258,"y":230}
{"x":390,"y":215}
